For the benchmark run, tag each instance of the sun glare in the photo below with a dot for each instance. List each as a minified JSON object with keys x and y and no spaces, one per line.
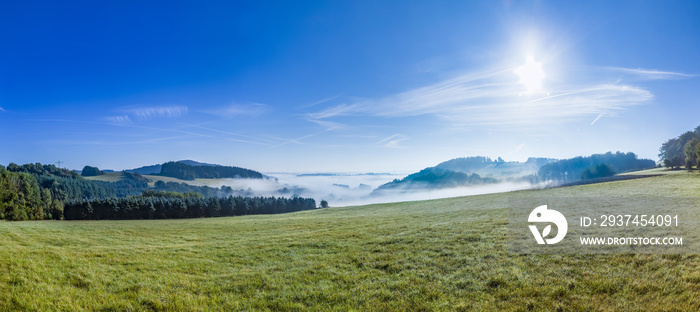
{"x":531,"y":76}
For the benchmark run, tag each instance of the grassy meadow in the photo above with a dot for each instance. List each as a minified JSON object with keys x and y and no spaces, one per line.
{"x":447,"y":254}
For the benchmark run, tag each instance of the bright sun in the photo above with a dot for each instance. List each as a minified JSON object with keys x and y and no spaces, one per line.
{"x":531,"y":76}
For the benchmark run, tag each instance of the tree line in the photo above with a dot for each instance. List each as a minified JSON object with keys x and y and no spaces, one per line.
{"x":36,"y":192}
{"x":594,"y":166}
{"x":21,"y":198}
{"x":683,"y":150}
{"x":170,"y":205}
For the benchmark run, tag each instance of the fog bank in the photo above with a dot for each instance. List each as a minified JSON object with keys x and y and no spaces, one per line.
{"x":342,"y":189}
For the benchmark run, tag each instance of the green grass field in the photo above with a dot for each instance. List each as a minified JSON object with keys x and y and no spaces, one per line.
{"x":107,"y":177}
{"x":448,"y":254}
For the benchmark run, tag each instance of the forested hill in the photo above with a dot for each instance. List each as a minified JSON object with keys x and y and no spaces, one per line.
{"x":190,"y":170}
{"x":434,"y":178}
{"x":36,"y":192}
{"x":497,"y":168}
{"x":155,"y":169}
{"x":594,"y":166}
{"x":467,"y":171}
{"x":184,"y":171}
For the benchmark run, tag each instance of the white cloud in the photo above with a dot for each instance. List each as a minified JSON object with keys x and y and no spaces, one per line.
{"x":650,"y":74}
{"x":3,"y":110}
{"x":438,"y":98}
{"x":132,"y":114}
{"x":393,"y":141}
{"x":517,"y":148}
{"x":494,"y":98}
{"x":148,"y":113}
{"x":299,"y":139}
{"x":327,"y":124}
{"x":118,"y":119}
{"x":236,"y":110}
{"x":321,"y":101}
{"x":249,"y":139}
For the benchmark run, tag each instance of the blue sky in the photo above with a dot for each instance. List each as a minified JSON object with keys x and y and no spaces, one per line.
{"x":384,"y":86}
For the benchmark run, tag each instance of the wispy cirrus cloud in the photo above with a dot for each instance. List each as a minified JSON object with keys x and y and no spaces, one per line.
{"x":495,"y":98}
{"x":299,"y":140}
{"x":517,"y":148}
{"x":147,"y":113}
{"x":121,"y":119}
{"x":3,"y":110}
{"x":393,"y":141}
{"x":132,"y":114}
{"x":439,"y":98}
{"x":596,"y":119}
{"x":237,"y":110}
{"x":650,"y":74}
{"x":562,"y":107}
{"x":98,"y":142}
{"x":248,"y":139}
{"x":321,"y":101}
{"x":328,"y":124}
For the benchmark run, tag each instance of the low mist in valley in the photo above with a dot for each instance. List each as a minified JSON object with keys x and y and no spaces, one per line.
{"x":339,"y":189}
{"x":456,"y":177}
{"x":344,"y":189}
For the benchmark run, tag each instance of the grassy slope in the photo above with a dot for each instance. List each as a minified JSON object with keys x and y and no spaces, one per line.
{"x":447,"y":254}
{"x":107,"y":177}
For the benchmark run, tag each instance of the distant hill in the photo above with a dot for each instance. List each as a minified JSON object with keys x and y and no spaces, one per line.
{"x":155,"y":169}
{"x":434,"y":178}
{"x":180,"y":170}
{"x":579,"y":168}
{"x":196,"y":163}
{"x":190,"y":170}
{"x":466,"y":164}
{"x":498,"y":168}
{"x":468,"y":171}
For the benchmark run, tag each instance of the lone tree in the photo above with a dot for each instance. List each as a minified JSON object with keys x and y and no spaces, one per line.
{"x":89,"y":171}
{"x":324,"y":203}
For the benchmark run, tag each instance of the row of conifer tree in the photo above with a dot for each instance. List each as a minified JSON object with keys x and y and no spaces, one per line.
{"x":38,"y":192}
